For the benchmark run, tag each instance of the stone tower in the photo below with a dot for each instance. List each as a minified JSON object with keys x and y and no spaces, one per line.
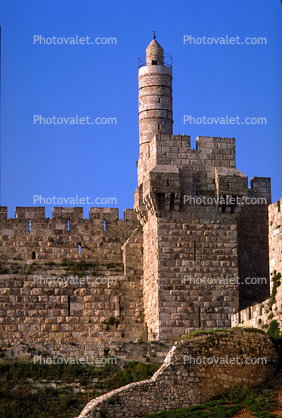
{"x":190,"y":203}
{"x":175,"y":267}
{"x":155,"y":95}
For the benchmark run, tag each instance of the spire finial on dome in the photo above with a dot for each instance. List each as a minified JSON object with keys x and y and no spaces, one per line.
{"x":154,"y":34}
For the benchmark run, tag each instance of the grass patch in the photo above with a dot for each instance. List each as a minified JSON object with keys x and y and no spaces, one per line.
{"x":21,"y":397}
{"x":213,"y":331}
{"x":258,"y":405}
{"x":76,"y":268}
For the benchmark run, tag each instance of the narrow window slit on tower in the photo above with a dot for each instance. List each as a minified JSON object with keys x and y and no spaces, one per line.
{"x":159,"y":100}
{"x":167,"y":182}
{"x":250,"y":313}
{"x":68,"y":225}
{"x":171,"y":205}
{"x":33,"y":255}
{"x":161,"y":201}
{"x":104,"y":225}
{"x":159,"y":126}
{"x":29,"y":225}
{"x":197,"y":189}
{"x":68,"y":305}
{"x":79,"y":249}
{"x":224,"y":204}
{"x":199,"y":313}
{"x":278,"y":206}
{"x":233,"y":205}
{"x":195,"y":251}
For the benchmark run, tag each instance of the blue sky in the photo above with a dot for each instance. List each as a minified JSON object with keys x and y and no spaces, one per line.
{"x":94,"y":80}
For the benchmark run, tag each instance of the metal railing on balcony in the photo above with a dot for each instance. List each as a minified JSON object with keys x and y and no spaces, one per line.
{"x":167,"y":61}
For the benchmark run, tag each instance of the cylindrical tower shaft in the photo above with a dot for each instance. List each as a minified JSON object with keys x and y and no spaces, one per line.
{"x":155,"y":95}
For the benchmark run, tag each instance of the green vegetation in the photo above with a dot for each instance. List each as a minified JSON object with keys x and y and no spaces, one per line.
{"x":201,"y":332}
{"x":112,"y":321}
{"x":274,"y":330}
{"x":49,"y":263}
{"x":258,"y":405}
{"x":276,"y":284}
{"x":15,"y":268}
{"x":137,"y":226}
{"x":28,"y":269}
{"x":114,"y":266}
{"x":42,"y":391}
{"x":213,"y":331}
{"x":3,"y":270}
{"x":76,"y":268}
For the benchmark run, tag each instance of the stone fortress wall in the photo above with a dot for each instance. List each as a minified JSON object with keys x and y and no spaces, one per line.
{"x":150,"y":261}
{"x":50,"y":306}
{"x":261,"y":314}
{"x":184,"y":238}
{"x":190,"y":375}
{"x":100,"y":237}
{"x":275,"y":236}
{"x":183,"y":235}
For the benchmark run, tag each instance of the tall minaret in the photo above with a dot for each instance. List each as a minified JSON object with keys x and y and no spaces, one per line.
{"x":155,"y":95}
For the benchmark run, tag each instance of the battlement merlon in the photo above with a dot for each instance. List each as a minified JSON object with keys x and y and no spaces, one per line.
{"x":260,"y":188}
{"x":275,"y":208}
{"x":68,"y":213}
{"x":168,"y":166}
{"x":66,"y":235}
{"x":176,"y":150}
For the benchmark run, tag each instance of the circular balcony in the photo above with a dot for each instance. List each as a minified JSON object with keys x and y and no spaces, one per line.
{"x":167,"y":61}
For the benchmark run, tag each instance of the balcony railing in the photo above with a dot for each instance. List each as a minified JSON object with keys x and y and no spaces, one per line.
{"x":167,"y":61}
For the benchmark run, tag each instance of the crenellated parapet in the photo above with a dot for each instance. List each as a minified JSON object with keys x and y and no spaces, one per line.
{"x":170,"y":174}
{"x":32,"y":236}
{"x":275,"y":236}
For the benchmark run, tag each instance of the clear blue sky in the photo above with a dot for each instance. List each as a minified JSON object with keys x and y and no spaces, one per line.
{"x":101,"y":81}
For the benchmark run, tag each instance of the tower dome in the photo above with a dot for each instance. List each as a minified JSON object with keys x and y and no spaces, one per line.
{"x":154,"y":54}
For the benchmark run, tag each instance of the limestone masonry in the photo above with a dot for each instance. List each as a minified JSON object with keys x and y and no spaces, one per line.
{"x":183,"y":380}
{"x":70,"y":285}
